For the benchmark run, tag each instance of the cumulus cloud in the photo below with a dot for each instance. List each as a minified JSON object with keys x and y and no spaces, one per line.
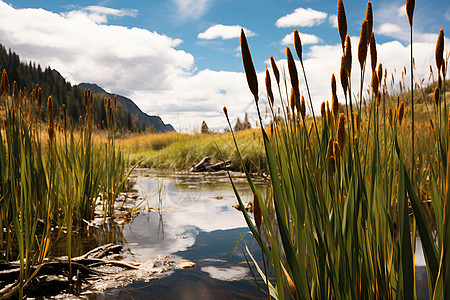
{"x":191,"y":9}
{"x":333,"y":21}
{"x":389,"y":29}
{"x":99,"y":14}
{"x":302,"y":17}
{"x":224,"y":32}
{"x":306,"y":39}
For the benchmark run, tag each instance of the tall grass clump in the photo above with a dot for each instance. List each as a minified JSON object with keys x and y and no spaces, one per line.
{"x":346,"y":209}
{"x":51,"y":173}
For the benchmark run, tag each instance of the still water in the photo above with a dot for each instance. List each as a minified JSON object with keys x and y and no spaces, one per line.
{"x":189,"y":216}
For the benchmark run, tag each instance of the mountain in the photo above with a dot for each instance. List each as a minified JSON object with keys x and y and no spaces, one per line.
{"x":129,"y":105}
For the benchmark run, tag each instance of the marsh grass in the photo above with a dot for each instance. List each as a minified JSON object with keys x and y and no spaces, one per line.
{"x":348,"y":198}
{"x":49,"y":173}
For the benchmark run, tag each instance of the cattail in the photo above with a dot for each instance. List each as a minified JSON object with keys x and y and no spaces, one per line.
{"x":298,"y":44}
{"x":257,"y":213}
{"x":330,"y":148}
{"x":322,"y":109}
{"x":329,"y":118}
{"x":303,"y":107}
{"x":410,"y":10}
{"x":225,"y":111}
{"x":292,"y":100}
{"x":336,"y":151}
{"x":292,"y":70}
{"x":115,"y":101}
{"x":269,"y":87}
{"x":341,"y":133}
{"x":4,"y":86}
{"x":369,"y":18}
{"x":332,"y":165}
{"x":380,"y":72}
{"x":249,"y":69}
{"x":356,"y":119}
{"x":398,"y":101}
{"x":275,"y":69}
{"x":64,"y":117}
{"x":342,"y":21}
{"x":437,"y":95}
{"x":401,"y":112}
{"x":39,"y":97}
{"x":390,"y":116}
{"x":334,"y":101}
{"x":343,"y":74}
{"x":439,"y":53}
{"x":15,"y":93}
{"x":362,"y":46}
{"x":374,"y":83}
{"x":373,"y":52}
{"x":439,"y":81}
{"x":348,"y":55}
{"x":50,"y":128}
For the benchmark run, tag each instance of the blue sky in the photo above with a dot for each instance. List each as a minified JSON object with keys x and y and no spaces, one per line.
{"x":180,"y":58}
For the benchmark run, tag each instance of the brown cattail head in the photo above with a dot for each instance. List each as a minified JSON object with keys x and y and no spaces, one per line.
{"x":390,"y":116}
{"x":334,"y":100}
{"x":333,"y":84}
{"x":348,"y":55}
{"x":269,"y":87}
{"x":298,"y":45}
{"x":373,"y":52}
{"x":225,"y":111}
{"x":342,"y":21}
{"x":439,"y":53}
{"x":437,"y":95}
{"x":401,"y":112}
{"x":336,"y":151}
{"x":51,"y":124}
{"x":410,"y":10}
{"x":303,"y":107}
{"x":380,"y":72}
{"x":329,"y":118}
{"x":330,"y":148}
{"x":332,"y":165}
{"x":39,"y":96}
{"x":362,"y":46}
{"x":275,"y":69}
{"x":341,"y":133}
{"x":375,"y":83}
{"x":292,"y":70}
{"x":378,"y":98}
{"x":4,"y":86}
{"x":257,"y":213}
{"x":115,"y":101}
{"x":398,"y":101}
{"x":15,"y":93}
{"x":249,"y":69}
{"x":439,"y":81}
{"x":292,"y":100}
{"x":369,"y":18}
{"x":322,"y":109}
{"x":343,"y":74}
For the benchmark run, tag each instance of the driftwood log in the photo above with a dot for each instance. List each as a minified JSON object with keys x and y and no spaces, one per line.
{"x":205,"y":165}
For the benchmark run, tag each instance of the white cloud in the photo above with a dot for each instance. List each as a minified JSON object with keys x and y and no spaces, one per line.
{"x":99,"y":14}
{"x":191,"y":9}
{"x":302,"y":17}
{"x":388,"y":29}
{"x":333,"y":21}
{"x":401,"y":11}
{"x":305,"y":38}
{"x":224,"y":32}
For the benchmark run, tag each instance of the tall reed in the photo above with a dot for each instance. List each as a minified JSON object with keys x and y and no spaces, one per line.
{"x":339,"y":225}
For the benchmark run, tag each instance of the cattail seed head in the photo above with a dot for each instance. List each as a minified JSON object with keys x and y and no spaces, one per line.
{"x":330,"y":148}
{"x":439,"y":53}
{"x":437,"y":95}
{"x":363,"y":42}
{"x":341,"y":133}
{"x":373,"y":52}
{"x":343,"y":74}
{"x":390,"y":116}
{"x":15,"y":93}
{"x":333,"y":85}
{"x":332,"y":165}
{"x":369,"y":18}
{"x":225,"y":111}
{"x":64,"y":117}
{"x":269,"y":87}
{"x":329,"y":118}
{"x":292,"y":70}
{"x":410,"y":10}
{"x":4,"y":86}
{"x":374,"y":83}
{"x":249,"y":69}
{"x":380,"y":72}
{"x":336,"y":151}
{"x":275,"y":69}
{"x":348,"y":55}
{"x":50,"y":128}
{"x":398,"y":101}
{"x":257,"y":212}
{"x":298,"y":44}
{"x":401,"y":112}
{"x":303,"y":107}
{"x":342,"y":21}
{"x":322,"y":109}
